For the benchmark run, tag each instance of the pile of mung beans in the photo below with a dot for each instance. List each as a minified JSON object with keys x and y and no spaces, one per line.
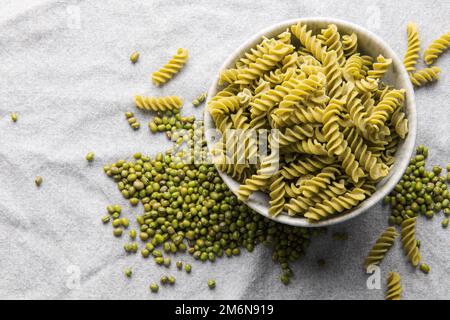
{"x":420,"y":192}
{"x":188,"y":208}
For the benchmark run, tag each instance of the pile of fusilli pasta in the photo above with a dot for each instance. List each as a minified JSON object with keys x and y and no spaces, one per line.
{"x":339,"y":124}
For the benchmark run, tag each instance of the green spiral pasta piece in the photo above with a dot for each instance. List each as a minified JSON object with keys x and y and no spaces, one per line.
{"x":379,"y":68}
{"x":259,"y":122}
{"x":436,"y":48}
{"x":229,"y":76}
{"x":321,"y":181}
{"x":386,"y":107}
{"x":305,"y":165}
{"x":254,"y":183}
{"x":230,"y":90}
{"x":412,"y":52}
{"x":255,"y":53}
{"x":400,"y":123}
{"x":353,"y":67}
{"x":261,"y":88}
{"x":296,"y":133}
{"x":357,"y":112}
{"x":381,"y":246}
{"x":351,"y":166}
{"x":336,"y":188}
{"x":349,"y":44}
{"x":299,"y":116}
{"x":409,"y":241}
{"x":335,"y":205}
{"x":247,"y":148}
{"x":309,"y":146}
{"x":298,"y":93}
{"x":223,"y":122}
{"x":285,"y":37}
{"x":425,"y":76}
{"x":394,"y":287}
{"x":366,"y":85}
{"x":260,"y":180}
{"x":223,"y":106}
{"x":308,"y":61}
{"x":240,"y":120}
{"x":264,"y":64}
{"x":271,"y":98}
{"x":388,"y":155}
{"x":171,"y":68}
{"x":331,"y":39}
{"x":289,"y":61}
{"x":310,"y":42}
{"x":334,"y":74}
{"x":168,"y":103}
{"x":334,"y":138}
{"x":245,"y":97}
{"x":277,"y":192}
{"x":367,"y":64}
{"x":274,"y":77}
{"x":371,"y":164}
{"x":300,"y":204}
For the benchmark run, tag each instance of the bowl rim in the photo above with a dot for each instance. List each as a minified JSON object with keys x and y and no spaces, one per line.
{"x":407,"y":145}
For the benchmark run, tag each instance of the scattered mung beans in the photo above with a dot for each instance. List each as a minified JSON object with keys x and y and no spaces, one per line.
{"x":38,"y":181}
{"x":211,"y":283}
{"x":90,"y":156}
{"x":200,"y":99}
{"x":419,"y":191}
{"x":134,"y":57}
{"x":424,"y":268}
{"x":128,"y":272}
{"x":117,"y":232}
{"x":164,"y":280}
{"x":154,"y":287}
{"x":188,"y":203}
{"x":132,"y":121}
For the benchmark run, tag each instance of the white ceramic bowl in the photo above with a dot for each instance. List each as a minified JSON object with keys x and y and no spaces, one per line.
{"x":397,"y":76}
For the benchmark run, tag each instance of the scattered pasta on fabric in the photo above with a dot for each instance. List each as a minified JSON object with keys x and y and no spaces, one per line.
{"x":436,"y":48}
{"x":381,"y":247}
{"x":409,"y":241}
{"x":170,"y":68}
{"x":168,"y":103}
{"x":412,"y":52}
{"x":425,"y":76}
{"x":394,"y":287}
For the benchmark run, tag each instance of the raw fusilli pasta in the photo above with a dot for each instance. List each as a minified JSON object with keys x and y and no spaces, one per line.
{"x":381,"y":246}
{"x":170,"y":68}
{"x":412,"y":53}
{"x":436,"y":48}
{"x":350,"y":44}
{"x":425,"y":76}
{"x":168,"y":103}
{"x":394,"y":287}
{"x":409,"y":241}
